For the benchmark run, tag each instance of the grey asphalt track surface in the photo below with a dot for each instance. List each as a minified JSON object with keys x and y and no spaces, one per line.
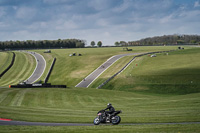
{"x":82,"y":124}
{"x":96,"y":73}
{"x":40,"y":67}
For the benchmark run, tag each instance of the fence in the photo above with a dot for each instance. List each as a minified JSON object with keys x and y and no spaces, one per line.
{"x":50,"y":70}
{"x":37,"y":86}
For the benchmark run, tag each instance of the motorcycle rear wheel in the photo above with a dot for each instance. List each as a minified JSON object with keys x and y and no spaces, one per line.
{"x":116,"y":120}
{"x":96,"y":121}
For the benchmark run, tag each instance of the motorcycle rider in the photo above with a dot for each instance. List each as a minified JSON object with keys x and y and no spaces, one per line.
{"x":111,"y":109}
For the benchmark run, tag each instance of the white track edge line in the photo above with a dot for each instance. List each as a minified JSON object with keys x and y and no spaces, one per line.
{"x":127,"y":66}
{"x":103,"y":71}
{"x":35,"y":66}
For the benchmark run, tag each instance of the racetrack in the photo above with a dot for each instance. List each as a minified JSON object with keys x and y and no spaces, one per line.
{"x":96,"y":73}
{"x":172,"y":105}
{"x":83,"y":124}
{"x":39,"y":70}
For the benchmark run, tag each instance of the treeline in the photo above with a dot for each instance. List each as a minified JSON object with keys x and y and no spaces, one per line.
{"x":64,"y":43}
{"x":168,"y":40}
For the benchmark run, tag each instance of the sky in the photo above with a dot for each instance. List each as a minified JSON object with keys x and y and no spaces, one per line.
{"x":97,"y":20}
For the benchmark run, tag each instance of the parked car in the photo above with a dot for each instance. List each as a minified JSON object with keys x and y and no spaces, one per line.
{"x":153,"y":55}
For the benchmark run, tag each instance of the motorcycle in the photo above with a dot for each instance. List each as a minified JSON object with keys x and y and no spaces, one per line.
{"x":109,"y":118}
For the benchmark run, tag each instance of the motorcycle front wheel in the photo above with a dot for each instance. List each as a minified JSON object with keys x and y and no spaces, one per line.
{"x":116,"y":120}
{"x":96,"y":121}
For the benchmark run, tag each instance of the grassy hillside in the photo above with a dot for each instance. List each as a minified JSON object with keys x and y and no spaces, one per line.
{"x":22,"y":69}
{"x":177,"y":72}
{"x":117,"y":66}
{"x":5,"y":59}
{"x":71,"y":70}
{"x":81,"y":105}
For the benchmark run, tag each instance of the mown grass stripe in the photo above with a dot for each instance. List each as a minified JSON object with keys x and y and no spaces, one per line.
{"x":41,"y":109}
{"x":135,"y":107}
{"x":4,"y":60}
{"x":9,"y":66}
{"x":48,"y":114}
{"x":13,"y":74}
{"x":136,"y":113}
{"x":21,"y":69}
{"x":7,"y":100}
{"x":4,"y":94}
{"x":29,"y":68}
{"x":17,"y":100}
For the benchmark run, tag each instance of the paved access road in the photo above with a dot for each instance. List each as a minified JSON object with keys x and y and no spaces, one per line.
{"x":95,"y":74}
{"x":40,"y":67}
{"x":82,"y":124}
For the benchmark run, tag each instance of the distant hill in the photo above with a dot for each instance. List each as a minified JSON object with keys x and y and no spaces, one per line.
{"x":168,"y":40}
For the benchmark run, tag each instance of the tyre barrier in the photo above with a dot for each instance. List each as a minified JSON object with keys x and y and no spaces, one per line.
{"x":104,"y":83}
{"x":37,"y":86}
{"x":50,"y":70}
{"x":11,"y":64}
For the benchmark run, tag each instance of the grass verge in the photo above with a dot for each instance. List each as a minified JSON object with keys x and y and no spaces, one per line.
{"x":22,"y":69}
{"x":5,"y":60}
{"x":194,"y":128}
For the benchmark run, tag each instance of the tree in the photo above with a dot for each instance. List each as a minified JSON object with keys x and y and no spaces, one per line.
{"x":80,"y":45}
{"x":193,"y":41}
{"x":99,"y":44}
{"x":92,"y":43}
{"x":123,"y":43}
{"x":117,"y":43}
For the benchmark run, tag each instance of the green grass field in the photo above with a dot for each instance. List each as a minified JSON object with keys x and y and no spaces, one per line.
{"x":71,"y":70}
{"x":193,"y":128}
{"x":22,"y":69}
{"x":140,"y":92}
{"x":177,"y":72}
{"x":5,"y":59}
{"x":81,"y":105}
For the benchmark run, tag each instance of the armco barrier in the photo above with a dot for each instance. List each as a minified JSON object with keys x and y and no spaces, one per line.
{"x":11,"y":64}
{"x":37,"y":86}
{"x":104,"y":83}
{"x":50,"y":70}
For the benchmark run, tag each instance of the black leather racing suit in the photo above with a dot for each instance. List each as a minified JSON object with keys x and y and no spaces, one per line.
{"x":111,"y":110}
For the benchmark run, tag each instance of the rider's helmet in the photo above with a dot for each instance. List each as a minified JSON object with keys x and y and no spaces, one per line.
{"x":109,"y":105}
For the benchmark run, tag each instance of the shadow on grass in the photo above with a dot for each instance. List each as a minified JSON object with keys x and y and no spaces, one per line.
{"x":177,"y":89}
{"x":175,"y":81}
